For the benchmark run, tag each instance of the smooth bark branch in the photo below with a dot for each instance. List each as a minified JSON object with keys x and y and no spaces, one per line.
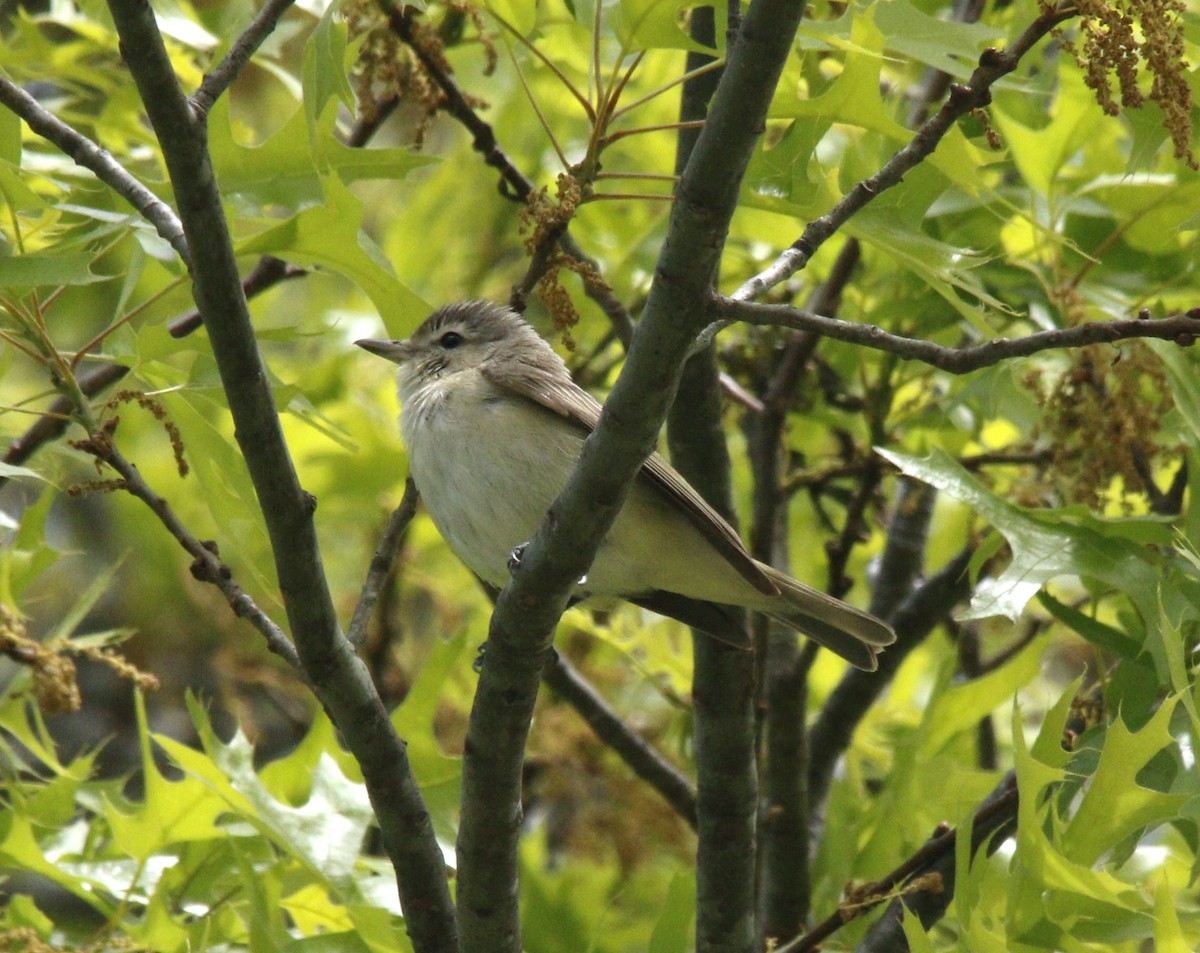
{"x":722,"y":679}
{"x":91,"y":156}
{"x":381,"y":563}
{"x":785,"y":833}
{"x":564,"y":679}
{"x":339,"y":676}
{"x":207,"y":565}
{"x":225,"y":72}
{"x":1183,"y":329}
{"x":963,"y":98}
{"x":565,"y":545}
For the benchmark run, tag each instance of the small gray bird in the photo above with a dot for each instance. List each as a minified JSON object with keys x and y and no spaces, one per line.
{"x":494,"y":426}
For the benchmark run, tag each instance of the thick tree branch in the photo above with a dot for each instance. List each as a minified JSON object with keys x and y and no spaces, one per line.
{"x":785,"y":833}
{"x":562,"y":678}
{"x":903,"y":558}
{"x":723,"y":679}
{"x":1183,"y":329}
{"x":563,"y":549}
{"x":339,"y":676}
{"x":90,"y":156}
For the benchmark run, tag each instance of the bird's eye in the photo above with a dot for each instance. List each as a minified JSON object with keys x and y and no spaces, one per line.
{"x":450,"y":340}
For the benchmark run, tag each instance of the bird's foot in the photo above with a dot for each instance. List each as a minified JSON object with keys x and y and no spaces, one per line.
{"x":514,"y":562}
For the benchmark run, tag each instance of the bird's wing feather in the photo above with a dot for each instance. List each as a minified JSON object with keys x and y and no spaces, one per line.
{"x":569,"y":400}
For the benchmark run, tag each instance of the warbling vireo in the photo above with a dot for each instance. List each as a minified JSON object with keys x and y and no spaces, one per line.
{"x":494,"y":426}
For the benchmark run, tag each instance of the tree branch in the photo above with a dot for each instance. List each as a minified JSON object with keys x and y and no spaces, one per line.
{"x":1181,"y":328}
{"x":565,"y":545}
{"x":267,"y":273}
{"x":723,"y":679}
{"x":206,"y":565}
{"x":75,"y":145}
{"x":224,"y":73}
{"x":381,"y":563}
{"x":929,"y":872}
{"x":54,"y":422}
{"x":913,"y":620}
{"x":341,"y":679}
{"x":963,"y":98}
{"x":785,"y":834}
{"x":563,"y":679}
{"x":514,"y":184}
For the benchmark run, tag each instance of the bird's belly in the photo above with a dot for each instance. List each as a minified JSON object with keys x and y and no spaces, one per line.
{"x":488,"y":477}
{"x":488,"y":471}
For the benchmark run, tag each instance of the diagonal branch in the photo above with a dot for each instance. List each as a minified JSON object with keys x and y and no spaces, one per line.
{"x":562,"y":677}
{"x":381,"y":563}
{"x":924,"y":882}
{"x":340,"y":678}
{"x":963,"y":98}
{"x":224,"y":73}
{"x":206,"y":565}
{"x":529,"y":607}
{"x":846,"y":706}
{"x":90,"y":156}
{"x":514,"y":184}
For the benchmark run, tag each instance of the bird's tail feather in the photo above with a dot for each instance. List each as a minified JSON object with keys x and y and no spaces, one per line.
{"x":851,"y":633}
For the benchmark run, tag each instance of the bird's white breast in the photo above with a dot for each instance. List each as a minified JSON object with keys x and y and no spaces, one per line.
{"x":488,"y":465}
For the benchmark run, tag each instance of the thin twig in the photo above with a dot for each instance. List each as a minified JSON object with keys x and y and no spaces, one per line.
{"x":381,"y":563}
{"x":975,"y":93}
{"x":549,"y":64}
{"x":514,"y":184}
{"x":225,"y":72}
{"x":1181,"y":328}
{"x":627,"y":197}
{"x":545,"y":123}
{"x":654,"y":93}
{"x":54,"y":422}
{"x":207,"y":565}
{"x":646,"y":763}
{"x":268,"y":272}
{"x":654,"y":176}
{"x":91,"y":156}
{"x":664,"y":127}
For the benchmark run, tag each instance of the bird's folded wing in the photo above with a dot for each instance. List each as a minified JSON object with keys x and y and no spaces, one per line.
{"x":575,"y":404}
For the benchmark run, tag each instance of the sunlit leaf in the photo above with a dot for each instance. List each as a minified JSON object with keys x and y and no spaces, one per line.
{"x":1042,"y":550}
{"x":329,"y":235}
{"x":1114,"y":804}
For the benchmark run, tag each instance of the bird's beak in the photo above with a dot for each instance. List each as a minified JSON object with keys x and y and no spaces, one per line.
{"x":395,"y":351}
